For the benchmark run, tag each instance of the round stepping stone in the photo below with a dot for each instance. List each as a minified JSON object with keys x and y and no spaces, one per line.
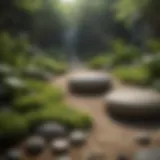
{"x":13,"y":154}
{"x":133,"y":103}
{"x":89,"y":82}
{"x":60,"y":146}
{"x":148,"y":154}
{"x":143,"y":139}
{"x":34,"y":146}
{"x":51,"y":130}
{"x":78,"y":137}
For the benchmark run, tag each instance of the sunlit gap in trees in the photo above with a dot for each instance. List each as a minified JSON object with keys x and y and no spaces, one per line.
{"x":69,"y":8}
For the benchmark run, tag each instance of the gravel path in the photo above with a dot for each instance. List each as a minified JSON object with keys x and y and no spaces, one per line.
{"x":108,"y":137}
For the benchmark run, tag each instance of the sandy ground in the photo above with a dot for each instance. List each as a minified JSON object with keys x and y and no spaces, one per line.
{"x":108,"y":137}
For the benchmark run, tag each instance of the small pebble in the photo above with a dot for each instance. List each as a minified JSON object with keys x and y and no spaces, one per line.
{"x":143,"y":139}
{"x":78,"y":137}
{"x":35,"y":146}
{"x":63,"y":157}
{"x":51,"y":130}
{"x":122,"y":157}
{"x":60,"y":146}
{"x":13,"y":154}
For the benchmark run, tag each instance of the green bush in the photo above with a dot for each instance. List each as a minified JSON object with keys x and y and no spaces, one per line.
{"x":136,"y":75}
{"x":99,"y":62}
{"x":156,"y":85}
{"x":62,"y":114}
{"x":124,"y":53}
{"x":50,"y":64}
{"x":12,"y":124}
{"x":154,"y":67}
{"x":5,"y":70}
{"x":40,"y":97}
{"x":154,"y":46}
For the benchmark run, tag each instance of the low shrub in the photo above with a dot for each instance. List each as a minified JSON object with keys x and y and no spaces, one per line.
{"x":154,"y":67}
{"x":41,"y":96}
{"x":51,"y":65}
{"x":156,"y":85}
{"x":12,"y":124}
{"x":62,"y":114}
{"x":132,"y":75}
{"x":99,"y":62}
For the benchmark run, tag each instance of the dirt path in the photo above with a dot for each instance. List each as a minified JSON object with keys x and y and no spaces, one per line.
{"x":108,"y":136}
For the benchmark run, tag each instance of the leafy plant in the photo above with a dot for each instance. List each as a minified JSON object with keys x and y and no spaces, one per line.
{"x":100,"y":62}
{"x":136,"y":75}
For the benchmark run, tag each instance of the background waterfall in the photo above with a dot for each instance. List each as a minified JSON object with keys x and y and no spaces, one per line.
{"x":70,"y":42}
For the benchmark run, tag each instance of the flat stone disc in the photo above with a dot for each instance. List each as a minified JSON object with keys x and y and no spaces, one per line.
{"x":133,"y":103}
{"x":87,"y":82}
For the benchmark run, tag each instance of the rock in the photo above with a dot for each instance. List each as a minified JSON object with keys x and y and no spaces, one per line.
{"x":133,"y":103}
{"x":13,"y":154}
{"x":78,"y":137}
{"x":148,"y":154}
{"x":122,"y":157}
{"x":63,"y":157}
{"x":143,"y":139}
{"x":89,"y":82}
{"x":51,"y":130}
{"x":60,"y":146}
{"x":34,"y":146}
